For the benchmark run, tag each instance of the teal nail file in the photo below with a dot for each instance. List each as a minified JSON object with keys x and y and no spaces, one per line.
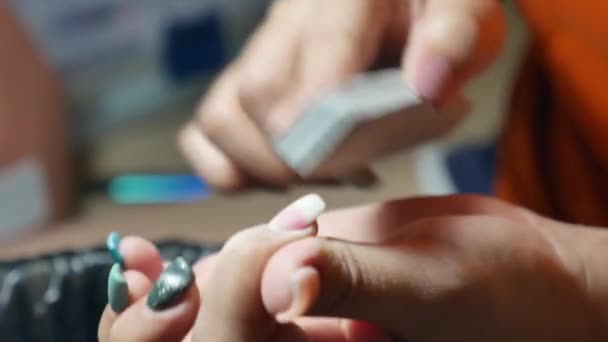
{"x":328,"y":121}
{"x":158,"y":189}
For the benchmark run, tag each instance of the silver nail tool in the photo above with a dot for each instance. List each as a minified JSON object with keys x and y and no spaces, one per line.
{"x":328,"y":121}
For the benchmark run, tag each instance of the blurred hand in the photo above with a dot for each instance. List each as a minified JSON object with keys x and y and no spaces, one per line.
{"x":305,"y":48}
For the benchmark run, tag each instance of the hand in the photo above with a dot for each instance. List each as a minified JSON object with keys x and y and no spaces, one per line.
{"x":134,"y":319}
{"x":449,"y":268}
{"x":307,"y":47}
{"x":235,"y":291}
{"x":437,"y":269}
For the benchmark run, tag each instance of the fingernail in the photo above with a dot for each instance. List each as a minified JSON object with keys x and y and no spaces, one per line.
{"x":171,"y":285}
{"x":305,"y":286}
{"x":113,"y":244}
{"x":299,"y":215}
{"x":118,"y":290}
{"x":432,"y":77}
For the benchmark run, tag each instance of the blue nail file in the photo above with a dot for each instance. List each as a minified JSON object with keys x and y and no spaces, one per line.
{"x":158,"y":189}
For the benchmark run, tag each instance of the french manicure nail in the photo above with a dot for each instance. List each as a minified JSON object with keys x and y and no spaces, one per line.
{"x":113,"y":244}
{"x":432,"y":77}
{"x":118,"y":290}
{"x":299,"y":215}
{"x":305,"y":286}
{"x":171,"y":285}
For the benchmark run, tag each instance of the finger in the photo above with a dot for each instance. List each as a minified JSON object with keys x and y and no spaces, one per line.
{"x":209,"y":162}
{"x":378,"y":223}
{"x":267,"y":68}
{"x":166,"y":313}
{"x":138,"y":285}
{"x":203,"y":270}
{"x":364,"y":178}
{"x":401,"y":286}
{"x":238,"y":273}
{"x":305,"y":329}
{"x":330,"y":330}
{"x":141,"y":255}
{"x":224,"y":123}
{"x":391,"y":287}
{"x":220,"y":172}
{"x":332,"y":52}
{"x":450,"y":41}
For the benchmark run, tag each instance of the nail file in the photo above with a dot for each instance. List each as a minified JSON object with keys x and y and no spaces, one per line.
{"x":328,"y":121}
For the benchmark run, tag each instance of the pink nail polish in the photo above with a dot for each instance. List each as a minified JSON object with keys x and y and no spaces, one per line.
{"x":432,"y":77}
{"x":298,"y":215}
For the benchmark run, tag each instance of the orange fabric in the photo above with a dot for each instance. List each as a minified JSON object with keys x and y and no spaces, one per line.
{"x":554,"y":153}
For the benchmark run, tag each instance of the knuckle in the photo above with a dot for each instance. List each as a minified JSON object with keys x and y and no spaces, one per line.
{"x":441,"y":30}
{"x":256,"y":87}
{"x":348,"y":278}
{"x":246,"y":243}
{"x":214,"y":121}
{"x":454,"y":282}
{"x":185,"y":136}
{"x":354,"y":273}
{"x":218,"y":110}
{"x":208,"y":163}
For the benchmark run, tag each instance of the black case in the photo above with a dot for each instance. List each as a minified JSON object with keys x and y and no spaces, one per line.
{"x":60,"y":297}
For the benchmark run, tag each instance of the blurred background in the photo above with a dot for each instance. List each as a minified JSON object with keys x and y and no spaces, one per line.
{"x":93,"y":93}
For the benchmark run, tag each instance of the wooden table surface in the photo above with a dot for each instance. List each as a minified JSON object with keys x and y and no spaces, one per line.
{"x":210,"y":221}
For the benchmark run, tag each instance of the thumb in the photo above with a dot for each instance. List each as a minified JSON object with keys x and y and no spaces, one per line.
{"x":450,"y":41}
{"x":232,"y":310}
{"x":390,"y":285}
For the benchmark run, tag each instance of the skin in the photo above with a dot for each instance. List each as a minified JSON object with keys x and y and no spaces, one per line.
{"x":429,"y":269}
{"x":425,"y":269}
{"x":305,"y":48}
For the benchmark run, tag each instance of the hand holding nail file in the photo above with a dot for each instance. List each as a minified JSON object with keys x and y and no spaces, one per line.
{"x":368,"y":98}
